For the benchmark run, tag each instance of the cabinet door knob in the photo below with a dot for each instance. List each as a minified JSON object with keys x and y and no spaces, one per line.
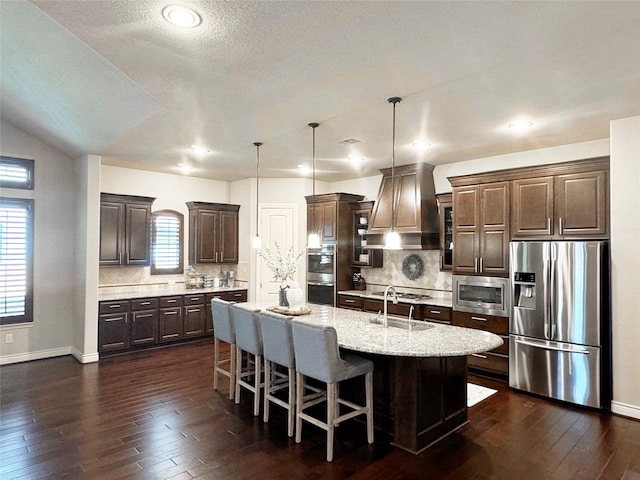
{"x":549,"y":225}
{"x":560,"y":226}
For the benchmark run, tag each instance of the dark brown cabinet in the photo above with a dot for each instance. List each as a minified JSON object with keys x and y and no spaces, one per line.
{"x":113,"y":325}
{"x":415,"y":211}
{"x":362,"y":255}
{"x":144,"y":321}
{"x":445,"y":213}
{"x":496,"y":361}
{"x":213,"y":232}
{"x":351,"y":302}
{"x":571,"y":205}
{"x":481,"y":229}
{"x":322,"y":219}
{"x":232,"y":296}
{"x":194,"y":315}
{"x":334,"y":222}
{"x":170,"y":324}
{"x":125,"y":230}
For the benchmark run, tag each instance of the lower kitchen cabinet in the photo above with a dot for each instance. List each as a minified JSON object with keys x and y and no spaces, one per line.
{"x":194,"y":315}
{"x":113,"y":326}
{"x":351,"y":302}
{"x":144,"y":321}
{"x":139,"y":322}
{"x":496,"y":361}
{"x":171,"y":326}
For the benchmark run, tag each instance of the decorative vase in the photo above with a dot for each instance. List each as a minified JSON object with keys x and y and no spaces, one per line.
{"x":282,"y":295}
{"x":295,"y":296}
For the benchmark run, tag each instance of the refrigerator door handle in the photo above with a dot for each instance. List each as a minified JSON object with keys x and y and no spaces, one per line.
{"x":547,"y":310}
{"x":553,"y":289}
{"x":546,"y":346}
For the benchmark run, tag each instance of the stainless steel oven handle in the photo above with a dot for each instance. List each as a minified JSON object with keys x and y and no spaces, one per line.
{"x":321,"y":284}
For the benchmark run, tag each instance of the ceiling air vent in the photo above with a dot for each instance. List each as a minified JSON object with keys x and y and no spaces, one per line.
{"x":349,"y":141}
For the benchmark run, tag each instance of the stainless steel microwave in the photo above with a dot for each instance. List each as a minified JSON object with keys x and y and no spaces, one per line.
{"x":484,"y":295}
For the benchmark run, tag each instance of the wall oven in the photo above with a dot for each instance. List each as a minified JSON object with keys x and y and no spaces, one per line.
{"x":321,"y":275}
{"x":484,"y":295}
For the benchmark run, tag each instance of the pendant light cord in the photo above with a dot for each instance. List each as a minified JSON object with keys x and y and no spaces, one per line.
{"x":258,"y":145}
{"x":393,"y":100}
{"x":313,"y":126}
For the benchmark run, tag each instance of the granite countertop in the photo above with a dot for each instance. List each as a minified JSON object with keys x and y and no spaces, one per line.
{"x":163,"y":290}
{"x":357,"y":333}
{"x":437,"y":298}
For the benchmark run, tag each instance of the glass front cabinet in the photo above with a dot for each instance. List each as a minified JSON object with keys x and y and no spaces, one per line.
{"x":362,"y":255}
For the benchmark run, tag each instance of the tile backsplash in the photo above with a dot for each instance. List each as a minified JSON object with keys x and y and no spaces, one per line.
{"x":391,"y":273}
{"x":115,"y":276}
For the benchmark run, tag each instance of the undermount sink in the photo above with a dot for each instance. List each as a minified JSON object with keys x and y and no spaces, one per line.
{"x":403,"y":324}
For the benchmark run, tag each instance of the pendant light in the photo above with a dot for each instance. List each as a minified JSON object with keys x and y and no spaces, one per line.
{"x":314,"y":239}
{"x":392,"y":240}
{"x":256,"y":242}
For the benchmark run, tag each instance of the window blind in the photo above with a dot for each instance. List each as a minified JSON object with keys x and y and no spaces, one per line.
{"x":16,"y":172}
{"x":166,"y":244}
{"x":15,"y":260}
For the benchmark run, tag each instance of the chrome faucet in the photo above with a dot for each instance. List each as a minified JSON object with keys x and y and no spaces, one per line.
{"x":392,"y":289}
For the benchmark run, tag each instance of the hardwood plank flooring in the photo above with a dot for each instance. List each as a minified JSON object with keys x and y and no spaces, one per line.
{"x":154,"y":415}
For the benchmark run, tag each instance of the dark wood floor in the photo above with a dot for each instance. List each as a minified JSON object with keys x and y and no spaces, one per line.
{"x":155,"y":415}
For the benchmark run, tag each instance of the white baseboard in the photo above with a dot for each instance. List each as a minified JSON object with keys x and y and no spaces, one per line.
{"x":39,"y":355}
{"x":93,"y":357}
{"x":626,"y":410}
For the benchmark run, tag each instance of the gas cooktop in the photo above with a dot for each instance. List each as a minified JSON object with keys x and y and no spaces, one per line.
{"x":408,"y":296}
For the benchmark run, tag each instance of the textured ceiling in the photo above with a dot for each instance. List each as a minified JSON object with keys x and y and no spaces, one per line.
{"x":113,"y":78}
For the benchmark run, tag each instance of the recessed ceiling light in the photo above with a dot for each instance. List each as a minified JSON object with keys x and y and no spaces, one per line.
{"x":181,"y":16}
{"x":519,"y":125}
{"x":420,"y":145}
{"x":199,"y":149}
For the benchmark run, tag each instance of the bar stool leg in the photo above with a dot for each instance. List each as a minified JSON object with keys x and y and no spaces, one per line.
{"x":331,"y":414}
{"x":257,"y":369}
{"x":267,"y":389}
{"x":238,"y":373}
{"x":232,"y":371}
{"x":292,"y":401}
{"x":216,"y":362}
{"x":299,"y":395}
{"x":368,"y":385}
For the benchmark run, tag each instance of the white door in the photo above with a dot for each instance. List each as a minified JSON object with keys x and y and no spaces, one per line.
{"x":278,"y":224}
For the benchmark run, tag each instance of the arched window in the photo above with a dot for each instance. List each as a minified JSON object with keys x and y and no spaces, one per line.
{"x":166,"y":242}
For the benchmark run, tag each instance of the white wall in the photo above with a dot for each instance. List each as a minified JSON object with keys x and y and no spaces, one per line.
{"x":55,"y":202}
{"x":625,"y":264}
{"x":542,"y":156}
{"x":367,"y":186}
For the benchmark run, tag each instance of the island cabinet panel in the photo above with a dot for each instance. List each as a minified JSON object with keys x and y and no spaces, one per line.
{"x":125,"y":230}
{"x":213,"y":232}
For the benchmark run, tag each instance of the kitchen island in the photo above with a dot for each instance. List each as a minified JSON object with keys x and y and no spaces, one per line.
{"x":420,"y":376}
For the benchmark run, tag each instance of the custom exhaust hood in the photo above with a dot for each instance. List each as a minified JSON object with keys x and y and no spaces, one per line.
{"x":416,"y":210}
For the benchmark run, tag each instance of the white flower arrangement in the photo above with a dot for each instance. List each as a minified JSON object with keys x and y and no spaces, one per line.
{"x":282,"y":266}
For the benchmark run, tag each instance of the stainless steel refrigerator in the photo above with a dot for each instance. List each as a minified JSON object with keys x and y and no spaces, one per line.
{"x":559,"y":324}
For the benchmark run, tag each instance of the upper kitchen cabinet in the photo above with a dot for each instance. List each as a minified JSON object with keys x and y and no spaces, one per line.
{"x":213,"y":232}
{"x":415,"y":210}
{"x":362,"y":255}
{"x":329,"y":215}
{"x":125,"y":230}
{"x":481,"y":229}
{"x":445,"y":211}
{"x":562,"y":201}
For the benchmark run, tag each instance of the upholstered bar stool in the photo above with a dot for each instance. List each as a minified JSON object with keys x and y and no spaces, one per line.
{"x":248,"y":339}
{"x":318,"y":357}
{"x":277,"y":340}
{"x":223,"y":330}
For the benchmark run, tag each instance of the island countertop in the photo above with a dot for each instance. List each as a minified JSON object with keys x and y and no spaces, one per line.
{"x":356,"y":332}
